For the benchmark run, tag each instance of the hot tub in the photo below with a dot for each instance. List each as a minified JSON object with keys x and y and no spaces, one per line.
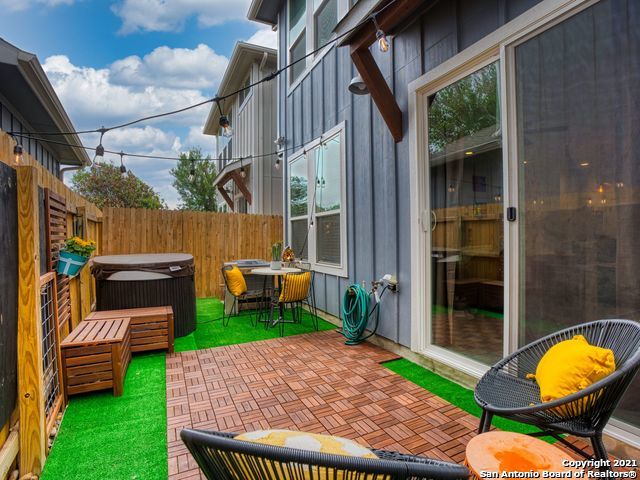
{"x":148,"y":280}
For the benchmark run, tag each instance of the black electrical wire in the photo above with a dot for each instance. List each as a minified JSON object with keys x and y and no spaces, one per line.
{"x":155,"y":157}
{"x":224,"y":97}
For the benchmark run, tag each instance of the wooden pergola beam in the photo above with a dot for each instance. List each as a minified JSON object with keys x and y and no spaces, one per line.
{"x":240,"y":183}
{"x":379,"y":90}
{"x":226,"y":197}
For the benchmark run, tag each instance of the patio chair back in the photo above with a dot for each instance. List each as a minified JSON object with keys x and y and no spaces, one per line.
{"x":296,"y":287}
{"x":220,"y":457}
{"x":505,"y":391}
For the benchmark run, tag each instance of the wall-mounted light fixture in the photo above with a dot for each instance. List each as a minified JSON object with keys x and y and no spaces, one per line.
{"x":357,"y":86}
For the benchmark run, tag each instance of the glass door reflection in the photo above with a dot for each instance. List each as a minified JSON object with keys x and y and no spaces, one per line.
{"x":467,"y":251}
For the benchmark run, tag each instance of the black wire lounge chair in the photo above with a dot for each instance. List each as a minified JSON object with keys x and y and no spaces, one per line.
{"x":505,"y":391}
{"x":220,"y":457}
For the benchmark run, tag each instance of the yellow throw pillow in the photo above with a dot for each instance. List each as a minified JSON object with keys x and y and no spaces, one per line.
{"x":296,"y":287}
{"x":311,"y":442}
{"x":235,"y":281}
{"x":570,"y":366}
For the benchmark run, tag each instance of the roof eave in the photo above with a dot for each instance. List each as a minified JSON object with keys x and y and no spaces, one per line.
{"x":257,"y":13}
{"x":33,"y":73}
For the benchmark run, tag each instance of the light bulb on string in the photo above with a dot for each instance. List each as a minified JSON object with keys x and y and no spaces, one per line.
{"x":192,"y":170}
{"x":243,"y":172}
{"x":277,"y":165}
{"x":224,"y":122}
{"x":18,"y":152}
{"x":381,"y":37}
{"x":100,"y":149}
{"x":123,"y":169}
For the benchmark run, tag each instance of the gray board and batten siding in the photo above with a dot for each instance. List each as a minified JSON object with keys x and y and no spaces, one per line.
{"x":378,"y":222}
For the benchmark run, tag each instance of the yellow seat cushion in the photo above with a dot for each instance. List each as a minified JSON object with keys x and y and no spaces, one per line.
{"x":296,"y":287}
{"x":571,"y":366}
{"x":235,"y":281}
{"x":312,"y":442}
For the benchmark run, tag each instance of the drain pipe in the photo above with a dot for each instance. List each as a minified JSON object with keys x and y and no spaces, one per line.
{"x":69,"y":169}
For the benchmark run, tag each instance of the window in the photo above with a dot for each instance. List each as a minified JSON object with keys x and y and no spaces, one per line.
{"x":311,"y":25}
{"x":246,"y":92}
{"x":317,"y":219}
{"x":326,"y":19}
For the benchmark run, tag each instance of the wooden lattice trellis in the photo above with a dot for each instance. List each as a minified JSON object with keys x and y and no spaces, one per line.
{"x":56,"y":229}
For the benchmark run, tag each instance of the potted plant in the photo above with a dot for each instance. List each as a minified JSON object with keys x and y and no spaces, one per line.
{"x":75,"y":255}
{"x":276,"y":256}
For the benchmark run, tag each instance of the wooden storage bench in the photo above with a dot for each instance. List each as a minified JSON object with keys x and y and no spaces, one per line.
{"x":95,"y":356}
{"x":151,"y":327}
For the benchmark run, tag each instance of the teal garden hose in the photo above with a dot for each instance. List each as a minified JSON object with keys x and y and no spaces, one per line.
{"x":356,"y":314}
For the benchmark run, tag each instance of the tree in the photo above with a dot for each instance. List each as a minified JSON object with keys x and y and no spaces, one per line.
{"x":196,"y":192}
{"x":104,"y":185}
{"x":464,"y":108}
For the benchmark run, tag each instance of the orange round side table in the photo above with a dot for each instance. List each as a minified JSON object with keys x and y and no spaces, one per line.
{"x":491,"y":454}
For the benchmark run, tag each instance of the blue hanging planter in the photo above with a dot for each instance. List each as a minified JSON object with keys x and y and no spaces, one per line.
{"x":70,"y":264}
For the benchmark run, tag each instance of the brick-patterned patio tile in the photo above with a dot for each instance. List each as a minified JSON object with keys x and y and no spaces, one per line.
{"x":313,"y":383}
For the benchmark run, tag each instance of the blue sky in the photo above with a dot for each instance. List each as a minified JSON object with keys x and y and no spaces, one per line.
{"x":112,"y":61}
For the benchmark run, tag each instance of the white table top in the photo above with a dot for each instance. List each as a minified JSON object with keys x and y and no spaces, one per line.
{"x":270,"y":271}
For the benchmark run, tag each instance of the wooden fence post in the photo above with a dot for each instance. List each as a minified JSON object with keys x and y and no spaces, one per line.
{"x":30,"y":383}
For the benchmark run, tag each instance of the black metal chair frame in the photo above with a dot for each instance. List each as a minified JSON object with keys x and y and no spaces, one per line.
{"x":504,"y":391}
{"x":236,"y":298}
{"x":221,"y":457}
{"x":309,"y":301}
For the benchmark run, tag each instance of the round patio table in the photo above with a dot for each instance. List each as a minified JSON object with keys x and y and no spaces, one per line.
{"x":271,"y":272}
{"x":497,"y":452}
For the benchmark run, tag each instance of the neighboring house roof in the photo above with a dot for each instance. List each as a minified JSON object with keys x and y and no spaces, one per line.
{"x":264,"y":11}
{"x":243,"y":56}
{"x":28,"y":90}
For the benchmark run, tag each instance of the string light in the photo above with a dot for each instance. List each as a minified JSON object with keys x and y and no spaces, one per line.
{"x":381,"y":37}
{"x":123,"y":169}
{"x":17,"y":152}
{"x":277,"y":165}
{"x":100,"y":149}
{"x":192,"y":171}
{"x":243,"y":172}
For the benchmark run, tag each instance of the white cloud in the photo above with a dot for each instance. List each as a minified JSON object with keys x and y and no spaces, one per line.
{"x":15,"y":6}
{"x":111,"y":95}
{"x":265,"y":37}
{"x":95,"y":95}
{"x":195,"y":138}
{"x":166,"y":16}
{"x":199,"y":68}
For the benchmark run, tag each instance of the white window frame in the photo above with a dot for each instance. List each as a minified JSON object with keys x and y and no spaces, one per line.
{"x":248,"y":95}
{"x":499,"y":45}
{"x":341,"y":269}
{"x":310,"y":38}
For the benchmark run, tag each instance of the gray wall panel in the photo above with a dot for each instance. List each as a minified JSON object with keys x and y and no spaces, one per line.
{"x":377,"y":169}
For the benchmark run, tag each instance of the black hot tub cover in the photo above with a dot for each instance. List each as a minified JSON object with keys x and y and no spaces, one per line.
{"x":170,"y":264}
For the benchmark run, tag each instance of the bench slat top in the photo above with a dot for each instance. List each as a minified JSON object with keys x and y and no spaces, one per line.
{"x":97,"y":332}
{"x":129,"y":313}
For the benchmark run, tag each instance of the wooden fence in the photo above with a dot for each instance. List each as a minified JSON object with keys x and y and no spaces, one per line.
{"x":212,"y":238}
{"x":33,"y":183}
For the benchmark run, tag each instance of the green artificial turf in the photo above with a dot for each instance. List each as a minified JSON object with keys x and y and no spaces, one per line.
{"x":451,"y":392}
{"x":117,"y":438}
{"x":211,"y":333}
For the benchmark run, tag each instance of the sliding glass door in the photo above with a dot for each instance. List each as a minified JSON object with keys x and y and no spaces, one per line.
{"x":578,"y":127}
{"x":465,"y":172}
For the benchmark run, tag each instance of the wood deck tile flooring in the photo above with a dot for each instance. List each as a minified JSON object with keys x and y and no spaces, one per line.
{"x":309,"y":382}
